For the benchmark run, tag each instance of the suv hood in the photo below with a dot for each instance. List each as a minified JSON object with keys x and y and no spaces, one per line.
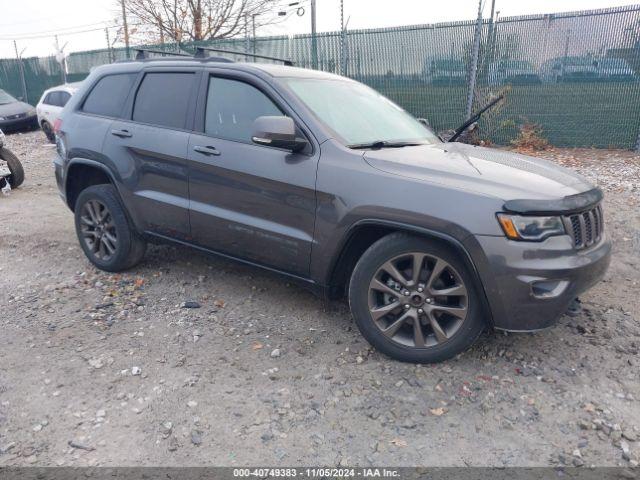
{"x":495,"y":173}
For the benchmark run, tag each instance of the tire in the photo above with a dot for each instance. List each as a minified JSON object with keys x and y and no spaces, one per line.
{"x":15,"y":167}
{"x":106,"y":235}
{"x":48,"y":131}
{"x":447,"y":305}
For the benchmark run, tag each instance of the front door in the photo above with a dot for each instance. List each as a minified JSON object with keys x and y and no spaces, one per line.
{"x":247,"y":200}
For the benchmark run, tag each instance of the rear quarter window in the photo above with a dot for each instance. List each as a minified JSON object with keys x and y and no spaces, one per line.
{"x":64,"y":98}
{"x":48,"y":99}
{"x":109,"y":94}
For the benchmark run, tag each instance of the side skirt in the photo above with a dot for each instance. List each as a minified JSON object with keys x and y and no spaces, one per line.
{"x":306,"y":283}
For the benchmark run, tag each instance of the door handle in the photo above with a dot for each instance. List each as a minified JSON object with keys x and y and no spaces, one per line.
{"x":208,"y":150}
{"x":122,"y":133}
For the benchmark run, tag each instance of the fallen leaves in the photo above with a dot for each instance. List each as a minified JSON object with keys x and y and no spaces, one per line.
{"x":398,"y":442}
{"x":438,"y":411}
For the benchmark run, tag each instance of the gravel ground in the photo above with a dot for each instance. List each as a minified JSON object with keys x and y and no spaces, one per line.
{"x":102,"y":369}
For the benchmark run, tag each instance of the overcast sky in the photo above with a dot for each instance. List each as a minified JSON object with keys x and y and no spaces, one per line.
{"x":44,"y":18}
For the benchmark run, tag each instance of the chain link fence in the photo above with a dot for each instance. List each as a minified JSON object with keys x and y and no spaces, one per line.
{"x":576,"y":75}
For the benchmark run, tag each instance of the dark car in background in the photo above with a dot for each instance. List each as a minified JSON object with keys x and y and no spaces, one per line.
{"x":15,"y":114}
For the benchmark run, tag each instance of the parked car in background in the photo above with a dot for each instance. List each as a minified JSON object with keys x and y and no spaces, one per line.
{"x":326,"y":181}
{"x":514,"y":72}
{"x":570,"y":69}
{"x":16,"y":114}
{"x":445,"y":71}
{"x":51,"y":104}
{"x":615,"y":70}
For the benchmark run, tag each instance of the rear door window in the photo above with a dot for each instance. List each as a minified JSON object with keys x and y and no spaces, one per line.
{"x":232,"y":106}
{"x":109,"y":95}
{"x":163,"y":99}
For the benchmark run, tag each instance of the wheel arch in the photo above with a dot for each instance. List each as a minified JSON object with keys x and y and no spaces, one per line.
{"x":82,"y":173}
{"x":363,"y":233}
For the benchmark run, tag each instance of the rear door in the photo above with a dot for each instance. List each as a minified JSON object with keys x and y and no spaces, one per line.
{"x":248,"y":200}
{"x":150,"y":148}
{"x":85,"y":128}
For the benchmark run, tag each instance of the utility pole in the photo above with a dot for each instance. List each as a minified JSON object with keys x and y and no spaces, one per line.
{"x":474,"y":62}
{"x":314,"y":40}
{"x":246,"y":35}
{"x":109,"y":52}
{"x":21,"y":68}
{"x":125,"y":26}
{"x":61,"y":61}
{"x":489,"y":57}
{"x":343,"y":57}
{"x":253,"y":30}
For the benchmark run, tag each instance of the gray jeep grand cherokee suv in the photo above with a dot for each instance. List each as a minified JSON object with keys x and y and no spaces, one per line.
{"x":322,"y":179}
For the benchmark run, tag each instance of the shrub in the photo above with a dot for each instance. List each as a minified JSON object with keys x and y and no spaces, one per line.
{"x":530,"y":138}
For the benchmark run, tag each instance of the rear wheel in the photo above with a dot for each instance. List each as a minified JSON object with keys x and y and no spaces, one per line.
{"x":104,"y":232}
{"x":15,"y":167}
{"x":48,"y":131}
{"x":414,"y":300}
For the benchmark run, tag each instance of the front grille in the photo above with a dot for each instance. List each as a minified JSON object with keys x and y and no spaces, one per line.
{"x":16,"y":117}
{"x":585,"y":228}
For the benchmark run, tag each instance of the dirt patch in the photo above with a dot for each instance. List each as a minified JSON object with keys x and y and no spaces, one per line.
{"x":101,"y":369}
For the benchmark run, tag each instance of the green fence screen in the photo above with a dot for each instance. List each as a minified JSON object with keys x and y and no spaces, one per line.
{"x":577,"y":75}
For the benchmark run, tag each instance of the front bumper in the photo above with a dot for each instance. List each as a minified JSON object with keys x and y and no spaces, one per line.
{"x":534,"y":283}
{"x":19,"y":123}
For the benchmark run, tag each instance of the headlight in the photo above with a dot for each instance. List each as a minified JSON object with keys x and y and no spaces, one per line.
{"x":1,"y":138}
{"x":536,"y":229}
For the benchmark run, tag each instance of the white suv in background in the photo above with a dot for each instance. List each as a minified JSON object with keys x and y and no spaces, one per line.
{"x":51,"y":104}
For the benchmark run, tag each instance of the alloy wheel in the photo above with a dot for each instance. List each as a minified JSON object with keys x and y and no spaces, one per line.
{"x":418,"y":300}
{"x":98,"y":230}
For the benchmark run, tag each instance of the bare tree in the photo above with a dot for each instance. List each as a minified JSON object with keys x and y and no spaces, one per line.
{"x":195,"y":20}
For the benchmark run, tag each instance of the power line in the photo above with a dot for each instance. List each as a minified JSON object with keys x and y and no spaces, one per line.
{"x":60,"y":31}
{"x":100,"y":26}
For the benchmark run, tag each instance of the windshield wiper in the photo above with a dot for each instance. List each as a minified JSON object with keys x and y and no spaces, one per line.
{"x":473,"y":119}
{"x":378,"y":144}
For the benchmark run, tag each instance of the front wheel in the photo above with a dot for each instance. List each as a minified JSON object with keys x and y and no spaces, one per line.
{"x":104,"y":232}
{"x":414,"y":300}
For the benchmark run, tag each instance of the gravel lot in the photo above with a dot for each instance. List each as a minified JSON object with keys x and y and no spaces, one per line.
{"x":101,"y":369}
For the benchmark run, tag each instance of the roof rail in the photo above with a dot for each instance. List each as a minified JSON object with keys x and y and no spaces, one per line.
{"x":201,"y":53}
{"x":141,"y":53}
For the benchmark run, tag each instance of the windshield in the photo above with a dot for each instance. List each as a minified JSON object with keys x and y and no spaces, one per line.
{"x":357,"y":113}
{"x":6,"y":98}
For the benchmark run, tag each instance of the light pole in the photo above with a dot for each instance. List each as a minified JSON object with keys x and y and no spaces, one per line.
{"x":253,"y":30}
{"x":314,"y":40}
{"x":125,"y":26}
{"x":474,"y":62}
{"x":21,"y":67}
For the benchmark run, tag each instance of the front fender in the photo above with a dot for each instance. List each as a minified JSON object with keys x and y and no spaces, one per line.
{"x":455,"y":237}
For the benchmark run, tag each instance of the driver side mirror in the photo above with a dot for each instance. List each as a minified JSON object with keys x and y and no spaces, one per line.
{"x":279,"y":132}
